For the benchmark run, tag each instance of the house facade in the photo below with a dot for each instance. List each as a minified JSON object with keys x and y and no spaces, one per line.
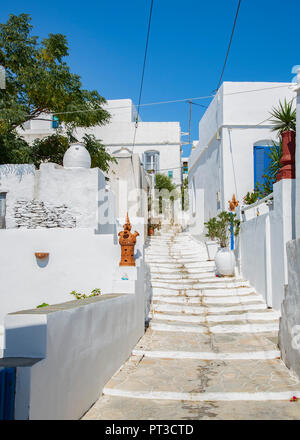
{"x":158,"y":144}
{"x":230,"y":156}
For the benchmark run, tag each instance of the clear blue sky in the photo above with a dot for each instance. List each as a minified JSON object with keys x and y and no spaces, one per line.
{"x":187,"y":47}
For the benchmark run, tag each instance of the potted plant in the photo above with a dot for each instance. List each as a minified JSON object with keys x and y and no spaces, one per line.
{"x":284,"y":123}
{"x":224,"y":259}
{"x":152,"y":227}
{"x":212,"y":245}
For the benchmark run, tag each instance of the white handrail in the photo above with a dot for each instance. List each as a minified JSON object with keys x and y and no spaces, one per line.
{"x":257,"y":203}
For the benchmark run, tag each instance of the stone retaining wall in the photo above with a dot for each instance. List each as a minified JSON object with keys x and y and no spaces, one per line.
{"x":32,"y":214}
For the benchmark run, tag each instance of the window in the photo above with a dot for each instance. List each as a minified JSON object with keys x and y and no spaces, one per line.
{"x":261,"y":163}
{"x":151,"y":161}
{"x":170,"y":174}
{"x":55,"y":122}
{"x":2,"y":210}
{"x":185,"y":167}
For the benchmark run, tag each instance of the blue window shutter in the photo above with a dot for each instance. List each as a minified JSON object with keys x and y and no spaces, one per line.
{"x":259,"y":164}
{"x":267,"y":159}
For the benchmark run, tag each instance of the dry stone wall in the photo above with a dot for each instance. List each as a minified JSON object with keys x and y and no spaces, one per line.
{"x":34,"y":214}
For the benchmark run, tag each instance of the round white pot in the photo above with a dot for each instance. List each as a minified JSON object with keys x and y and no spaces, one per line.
{"x":212,"y":248}
{"x":225,"y":262}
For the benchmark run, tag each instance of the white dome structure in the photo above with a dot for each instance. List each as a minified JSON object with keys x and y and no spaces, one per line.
{"x":77,"y":156}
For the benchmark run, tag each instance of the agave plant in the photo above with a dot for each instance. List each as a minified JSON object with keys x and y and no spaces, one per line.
{"x":284,"y":117}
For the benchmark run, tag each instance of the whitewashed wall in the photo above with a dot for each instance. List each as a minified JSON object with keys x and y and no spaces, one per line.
{"x":80,"y":189}
{"x":164,"y":137}
{"x":205,"y":182}
{"x":234,"y":122}
{"x":263,"y":241}
{"x":81,"y":344}
{"x":78,"y":260}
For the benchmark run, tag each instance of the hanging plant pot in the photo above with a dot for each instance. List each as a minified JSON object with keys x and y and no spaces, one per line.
{"x":212,"y":248}
{"x":225,"y":262}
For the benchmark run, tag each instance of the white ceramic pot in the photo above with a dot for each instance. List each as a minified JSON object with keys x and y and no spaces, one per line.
{"x":225,"y":262}
{"x":212,"y":248}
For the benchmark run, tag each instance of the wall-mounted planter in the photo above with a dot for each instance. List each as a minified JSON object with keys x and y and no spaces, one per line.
{"x":41,"y":255}
{"x":212,"y":248}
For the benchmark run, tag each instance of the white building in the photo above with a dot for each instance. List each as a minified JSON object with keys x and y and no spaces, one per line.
{"x":157,"y":143}
{"x":234,"y":135}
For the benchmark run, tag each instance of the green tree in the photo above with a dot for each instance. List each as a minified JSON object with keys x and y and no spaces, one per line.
{"x":184,"y":194}
{"x":39,"y":82}
{"x":163,"y":182}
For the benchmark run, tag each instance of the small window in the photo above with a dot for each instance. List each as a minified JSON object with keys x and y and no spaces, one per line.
{"x":55,"y":122}
{"x":151,"y":161}
{"x":2,"y":210}
{"x":170,"y":174}
{"x":185,"y":167}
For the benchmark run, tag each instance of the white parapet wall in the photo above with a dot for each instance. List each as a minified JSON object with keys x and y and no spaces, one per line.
{"x":266,"y":227}
{"x":72,"y":349}
{"x":79,"y":259}
{"x":289,"y":328}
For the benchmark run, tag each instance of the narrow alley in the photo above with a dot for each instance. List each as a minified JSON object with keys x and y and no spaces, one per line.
{"x":210,"y":350}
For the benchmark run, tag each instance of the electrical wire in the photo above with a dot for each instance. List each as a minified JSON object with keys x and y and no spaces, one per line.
{"x":229,"y":45}
{"x":161,"y":102}
{"x":143,"y":74}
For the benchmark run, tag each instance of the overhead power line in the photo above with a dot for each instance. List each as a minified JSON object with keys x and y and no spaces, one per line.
{"x":162,"y":102}
{"x":143,"y":73}
{"x":229,"y":45}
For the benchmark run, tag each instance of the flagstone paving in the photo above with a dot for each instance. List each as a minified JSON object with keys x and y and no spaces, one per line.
{"x":210,"y":350}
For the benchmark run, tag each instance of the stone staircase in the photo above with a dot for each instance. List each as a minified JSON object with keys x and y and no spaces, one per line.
{"x":210,"y":350}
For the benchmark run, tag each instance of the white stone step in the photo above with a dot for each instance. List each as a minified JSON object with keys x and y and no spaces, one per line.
{"x":162,"y":291}
{"x":197,"y":300}
{"x":171,"y":277}
{"x":205,"y":284}
{"x":159,"y":270}
{"x":207,"y":356}
{"x":249,"y":316}
{"x":224,"y":328}
{"x":190,"y":309}
{"x":205,"y":396}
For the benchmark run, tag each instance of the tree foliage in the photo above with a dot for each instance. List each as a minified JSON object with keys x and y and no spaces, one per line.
{"x":39,"y":82}
{"x":164,"y":182}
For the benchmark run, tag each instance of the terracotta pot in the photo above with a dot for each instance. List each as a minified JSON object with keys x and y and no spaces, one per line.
{"x":41,"y":255}
{"x":287,"y":170}
{"x":150,"y":231}
{"x":225,"y":262}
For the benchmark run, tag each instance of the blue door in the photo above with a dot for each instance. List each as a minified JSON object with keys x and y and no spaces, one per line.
{"x":261,"y":163}
{"x":7,"y":393}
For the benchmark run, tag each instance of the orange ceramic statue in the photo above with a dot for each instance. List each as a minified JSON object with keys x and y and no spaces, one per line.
{"x":233,"y":203}
{"x":127,"y":241}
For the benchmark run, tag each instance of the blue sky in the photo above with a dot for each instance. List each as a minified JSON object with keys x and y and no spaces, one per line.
{"x":187,"y":46}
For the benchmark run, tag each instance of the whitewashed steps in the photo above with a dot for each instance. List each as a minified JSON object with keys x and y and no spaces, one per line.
{"x":230,"y":328}
{"x":204,"y":284}
{"x":208,"y":356}
{"x":158,"y":306}
{"x":248,"y":316}
{"x":203,"y":301}
{"x":200,"y":314}
{"x":161,"y":291}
